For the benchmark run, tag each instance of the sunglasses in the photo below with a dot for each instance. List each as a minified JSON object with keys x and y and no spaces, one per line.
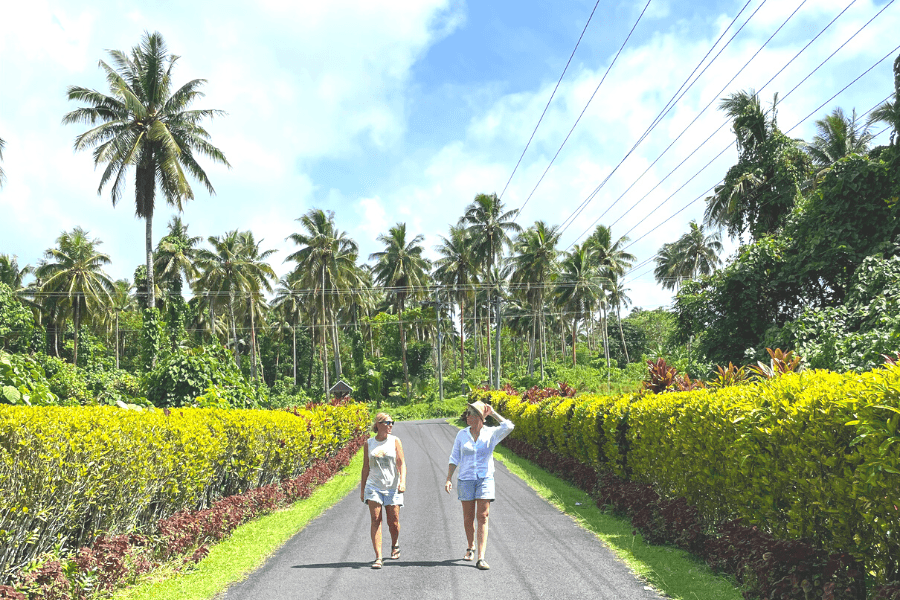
{"x":387,"y":422}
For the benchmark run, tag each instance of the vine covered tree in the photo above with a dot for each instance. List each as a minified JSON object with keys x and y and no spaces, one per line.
{"x":144,"y":124}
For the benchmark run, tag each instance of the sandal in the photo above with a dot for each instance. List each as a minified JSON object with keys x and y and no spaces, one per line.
{"x":482,"y":565}
{"x":395,"y":552}
{"x":470,"y":554}
{"x":377,"y":564}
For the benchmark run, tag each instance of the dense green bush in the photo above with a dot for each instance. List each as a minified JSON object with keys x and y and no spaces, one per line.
{"x":22,"y":381}
{"x":67,"y":474}
{"x":16,"y":321}
{"x":182,"y":376}
{"x":812,"y":455}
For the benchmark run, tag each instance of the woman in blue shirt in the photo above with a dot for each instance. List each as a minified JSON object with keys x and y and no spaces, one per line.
{"x":473,"y":454}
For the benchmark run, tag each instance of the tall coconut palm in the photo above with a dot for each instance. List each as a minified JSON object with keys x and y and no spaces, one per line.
{"x":74,"y":271}
{"x":258,"y":275}
{"x":235,"y":266}
{"x":576,"y":289}
{"x":10,"y":273}
{"x":618,"y":296}
{"x":695,"y":253}
{"x":175,"y":254}
{"x":610,"y":260}
{"x":532,"y":264}
{"x":144,"y":124}
{"x":326,"y":263}
{"x":837,"y":136}
{"x":889,"y":111}
{"x":121,"y":300}
{"x":402,"y":270}
{"x":457,"y":270}
{"x":290,"y":304}
{"x":490,"y":226}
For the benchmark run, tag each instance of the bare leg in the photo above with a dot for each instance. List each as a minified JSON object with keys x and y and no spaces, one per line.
{"x":375,"y":513}
{"x":469,"y":521}
{"x":483,"y":509}
{"x":393,"y":519}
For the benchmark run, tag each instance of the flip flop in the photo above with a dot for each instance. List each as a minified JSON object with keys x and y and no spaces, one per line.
{"x":395,"y":552}
{"x":470,"y":554}
{"x":377,"y":564}
{"x":481,"y":565}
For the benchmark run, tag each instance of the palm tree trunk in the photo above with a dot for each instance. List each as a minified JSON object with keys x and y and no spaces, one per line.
{"x":574,"y":338}
{"x":253,"y":373}
{"x":335,"y":341}
{"x":324,"y":326}
{"x":462,"y":337}
{"x":622,"y":333}
{"x":237,"y":352}
{"x":77,"y":323}
{"x":295,"y":349}
{"x":148,"y":245}
{"x":117,"y":339}
{"x":403,"y":348}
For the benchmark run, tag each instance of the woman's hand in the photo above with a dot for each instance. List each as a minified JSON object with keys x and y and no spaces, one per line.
{"x":487,"y":410}
{"x":401,"y":488}
{"x":448,"y":486}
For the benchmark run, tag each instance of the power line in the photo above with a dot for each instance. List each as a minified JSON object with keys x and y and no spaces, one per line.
{"x":521,"y":208}
{"x":665,"y":110}
{"x":566,"y":68}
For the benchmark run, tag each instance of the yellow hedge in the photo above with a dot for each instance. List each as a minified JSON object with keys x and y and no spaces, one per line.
{"x":68,"y":473}
{"x":813,"y":455}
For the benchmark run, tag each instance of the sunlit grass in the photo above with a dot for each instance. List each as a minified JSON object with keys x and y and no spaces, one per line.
{"x":246,"y":549}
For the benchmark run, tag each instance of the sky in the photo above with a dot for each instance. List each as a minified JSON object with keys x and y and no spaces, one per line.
{"x":390,"y":111}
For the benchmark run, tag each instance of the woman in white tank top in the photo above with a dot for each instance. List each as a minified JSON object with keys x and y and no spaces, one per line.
{"x":383,"y":483}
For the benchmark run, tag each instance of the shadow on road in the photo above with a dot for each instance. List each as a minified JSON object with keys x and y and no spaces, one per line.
{"x":387,"y":564}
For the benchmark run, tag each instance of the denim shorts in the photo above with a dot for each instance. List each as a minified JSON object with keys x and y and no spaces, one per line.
{"x":383,"y":497}
{"x":475,"y":489}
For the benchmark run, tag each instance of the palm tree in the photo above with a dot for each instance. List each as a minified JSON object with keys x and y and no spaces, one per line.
{"x":2,"y":174}
{"x":121,"y":300}
{"x":402,"y":270}
{"x":289,"y":303}
{"x":576,"y":289}
{"x":532,"y":264}
{"x":889,"y":112}
{"x":235,"y":266}
{"x":838,"y":136}
{"x":257,"y":273}
{"x":326,"y":263}
{"x":618,"y":295}
{"x":610,"y":260}
{"x":175,"y":254}
{"x":145,"y":125}
{"x":695,"y":253}
{"x":74,"y":271}
{"x":490,"y":227}
{"x":457,"y":271}
{"x":10,"y":273}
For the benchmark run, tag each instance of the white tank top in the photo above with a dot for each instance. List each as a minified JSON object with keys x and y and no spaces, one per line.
{"x":383,"y":473}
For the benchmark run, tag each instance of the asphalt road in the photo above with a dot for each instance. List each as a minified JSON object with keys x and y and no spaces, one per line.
{"x":534,"y":550}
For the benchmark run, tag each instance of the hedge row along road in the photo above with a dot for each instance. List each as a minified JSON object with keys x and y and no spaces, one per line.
{"x":534,"y":550}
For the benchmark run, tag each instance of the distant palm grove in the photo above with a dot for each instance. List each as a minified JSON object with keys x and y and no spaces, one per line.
{"x":206,"y":321}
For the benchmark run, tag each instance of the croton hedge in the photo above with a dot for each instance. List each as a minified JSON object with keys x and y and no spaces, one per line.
{"x":812,"y":455}
{"x":67,"y":474}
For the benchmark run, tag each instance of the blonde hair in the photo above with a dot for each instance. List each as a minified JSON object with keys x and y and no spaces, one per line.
{"x":379,"y":417}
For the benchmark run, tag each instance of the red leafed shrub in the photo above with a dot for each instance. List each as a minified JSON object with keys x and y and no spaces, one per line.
{"x":113,"y":558}
{"x":47,"y":582}
{"x":537,"y":393}
{"x":891,"y":361}
{"x":570,"y":469}
{"x":660,"y":376}
{"x":10,"y":593}
{"x":890,"y":591}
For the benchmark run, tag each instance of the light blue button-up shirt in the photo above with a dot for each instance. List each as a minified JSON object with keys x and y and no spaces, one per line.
{"x":475,"y":458}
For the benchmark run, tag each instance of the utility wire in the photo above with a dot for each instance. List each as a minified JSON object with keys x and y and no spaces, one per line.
{"x":521,"y":208}
{"x":550,"y":99}
{"x":665,"y":110}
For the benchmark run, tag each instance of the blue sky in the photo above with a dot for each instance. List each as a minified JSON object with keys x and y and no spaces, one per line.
{"x":392,"y":111}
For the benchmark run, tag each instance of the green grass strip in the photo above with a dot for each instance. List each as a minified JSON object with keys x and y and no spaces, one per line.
{"x":234,"y":558}
{"x":671,"y":570}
